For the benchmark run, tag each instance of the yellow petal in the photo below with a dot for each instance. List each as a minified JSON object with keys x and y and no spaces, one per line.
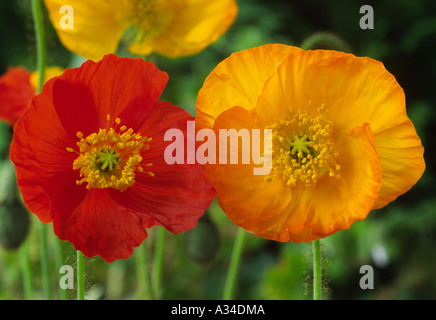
{"x":95,"y":31}
{"x":194,"y":25}
{"x":238,"y":81}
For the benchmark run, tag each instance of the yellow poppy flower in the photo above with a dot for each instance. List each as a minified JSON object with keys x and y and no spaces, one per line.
{"x":171,"y":28}
{"x":342,"y":143}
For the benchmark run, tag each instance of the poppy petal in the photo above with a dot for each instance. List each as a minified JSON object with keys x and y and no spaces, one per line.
{"x":238,"y":81}
{"x":95,"y":30}
{"x":92,"y":221}
{"x":193,"y":26}
{"x":99,"y":86}
{"x":245,"y":197}
{"x":38,"y":151}
{"x":401,"y":154}
{"x":75,"y":107}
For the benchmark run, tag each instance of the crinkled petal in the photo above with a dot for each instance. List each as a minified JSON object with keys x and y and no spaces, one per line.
{"x":92,"y":221}
{"x":401,"y":155}
{"x":238,"y":81}
{"x":38,"y":151}
{"x":97,"y":89}
{"x":245,"y":197}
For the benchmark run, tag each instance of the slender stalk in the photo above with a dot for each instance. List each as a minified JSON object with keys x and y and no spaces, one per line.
{"x":27,"y":273}
{"x":40,"y":59}
{"x":80,"y":276}
{"x":45,"y":270}
{"x":143,"y":274}
{"x":40,"y":42}
{"x":316,"y":270}
{"x":63,"y":294}
{"x":157,"y":263}
{"x":234,"y":265}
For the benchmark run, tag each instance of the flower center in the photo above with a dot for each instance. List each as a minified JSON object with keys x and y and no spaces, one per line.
{"x":110,"y":158}
{"x":300,"y":145}
{"x":303,"y":148}
{"x":107,"y":160}
{"x":143,"y":17}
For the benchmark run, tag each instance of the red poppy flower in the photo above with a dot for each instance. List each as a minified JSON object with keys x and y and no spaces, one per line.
{"x":89,"y":156}
{"x":17,"y":88}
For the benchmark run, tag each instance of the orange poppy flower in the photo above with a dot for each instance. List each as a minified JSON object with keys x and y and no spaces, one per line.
{"x":17,"y":88}
{"x":171,"y":28}
{"x":89,"y":157}
{"x":341,"y":141}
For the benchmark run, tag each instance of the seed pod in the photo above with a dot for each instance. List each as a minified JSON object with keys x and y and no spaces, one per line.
{"x":202,"y":242}
{"x":14,"y":225}
{"x":14,"y":217}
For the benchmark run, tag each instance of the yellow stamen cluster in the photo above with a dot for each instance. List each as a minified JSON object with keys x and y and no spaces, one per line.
{"x":109,"y":158}
{"x":303,"y":148}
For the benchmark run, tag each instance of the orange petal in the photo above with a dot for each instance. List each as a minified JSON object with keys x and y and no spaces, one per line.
{"x":247,"y":199}
{"x":238,"y":81}
{"x":401,"y":155}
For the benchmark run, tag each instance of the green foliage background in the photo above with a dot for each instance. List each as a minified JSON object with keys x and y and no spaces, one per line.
{"x":398,"y":241}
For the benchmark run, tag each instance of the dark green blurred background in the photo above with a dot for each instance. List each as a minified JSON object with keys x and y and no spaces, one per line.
{"x":398,"y":241}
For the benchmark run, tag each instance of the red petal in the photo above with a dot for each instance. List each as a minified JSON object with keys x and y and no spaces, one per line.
{"x":38,"y":151}
{"x":92,"y":221}
{"x":125,"y":88}
{"x":75,"y":107}
{"x":178,"y":194}
{"x":16,"y":92}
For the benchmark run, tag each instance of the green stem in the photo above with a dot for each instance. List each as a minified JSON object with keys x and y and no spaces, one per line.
{"x":143,"y":274}
{"x":157,"y":263}
{"x":45,"y":270}
{"x":63,"y":294}
{"x":40,"y":57}
{"x":316,"y":270}
{"x":80,"y":276}
{"x":27,"y":273}
{"x":234,"y":265}
{"x":40,"y":42}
